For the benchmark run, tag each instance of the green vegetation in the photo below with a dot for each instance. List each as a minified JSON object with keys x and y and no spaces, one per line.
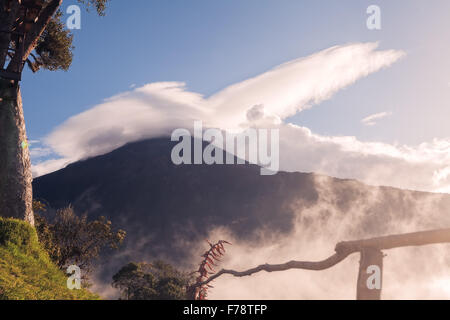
{"x":70,"y":239}
{"x":151,"y":281}
{"x":26,"y":271}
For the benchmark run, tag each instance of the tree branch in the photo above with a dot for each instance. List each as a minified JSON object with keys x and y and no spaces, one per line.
{"x":399,"y":240}
{"x":306,"y":265}
{"x":344,"y":249}
{"x":32,"y":66}
{"x":38,"y":28}
{"x":32,"y":37}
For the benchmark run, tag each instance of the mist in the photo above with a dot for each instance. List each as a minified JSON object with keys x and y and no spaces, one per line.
{"x":408,"y":273}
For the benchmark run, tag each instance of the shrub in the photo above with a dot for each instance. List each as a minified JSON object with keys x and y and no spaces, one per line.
{"x":151,"y":281}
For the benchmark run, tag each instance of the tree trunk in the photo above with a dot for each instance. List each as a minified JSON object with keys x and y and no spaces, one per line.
{"x":16,"y":195}
{"x":370,"y":275}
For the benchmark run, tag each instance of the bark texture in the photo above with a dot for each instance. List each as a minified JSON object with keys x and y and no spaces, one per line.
{"x":16,"y":194}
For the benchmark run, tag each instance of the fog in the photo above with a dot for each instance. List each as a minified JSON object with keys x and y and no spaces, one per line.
{"x":409,"y":273}
{"x":344,"y":210}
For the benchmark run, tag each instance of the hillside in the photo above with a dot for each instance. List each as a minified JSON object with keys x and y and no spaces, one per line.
{"x":166,"y":209}
{"x":142,"y":191}
{"x":26,"y":272}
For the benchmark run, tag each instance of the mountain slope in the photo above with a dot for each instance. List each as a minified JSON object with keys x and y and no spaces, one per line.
{"x":166,"y":209}
{"x":139,"y":188}
{"x":26,"y":272}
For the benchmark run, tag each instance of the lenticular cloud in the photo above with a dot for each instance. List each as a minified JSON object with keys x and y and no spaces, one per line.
{"x":264,"y":101}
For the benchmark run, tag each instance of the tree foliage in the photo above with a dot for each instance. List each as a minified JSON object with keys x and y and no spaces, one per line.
{"x":99,"y":5}
{"x":47,"y":45}
{"x":72,"y":239}
{"x":151,"y":281}
{"x":54,"y":48}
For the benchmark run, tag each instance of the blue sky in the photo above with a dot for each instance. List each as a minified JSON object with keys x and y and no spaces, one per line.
{"x":210,"y":45}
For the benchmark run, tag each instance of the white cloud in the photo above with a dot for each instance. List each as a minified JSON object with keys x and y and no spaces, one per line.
{"x":299,"y":84}
{"x":422,"y":167}
{"x":265,"y":100}
{"x":42,"y":168}
{"x":39,"y":152}
{"x":372,"y":119}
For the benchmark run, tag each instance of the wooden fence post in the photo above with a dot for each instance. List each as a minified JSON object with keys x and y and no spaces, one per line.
{"x":370,"y":275}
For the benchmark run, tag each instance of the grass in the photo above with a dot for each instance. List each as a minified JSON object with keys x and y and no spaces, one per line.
{"x":26,"y":271}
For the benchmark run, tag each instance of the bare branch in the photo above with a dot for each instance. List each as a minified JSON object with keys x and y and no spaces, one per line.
{"x":344,"y":249}
{"x":399,"y":240}
{"x":306,"y":265}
